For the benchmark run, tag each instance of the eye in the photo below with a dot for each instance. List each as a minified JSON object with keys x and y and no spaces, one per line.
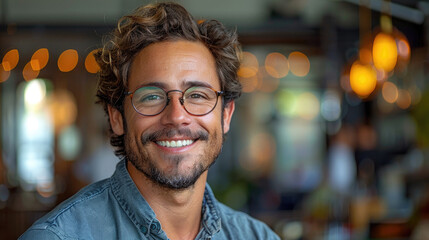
{"x":150,"y":98}
{"x":197,"y":95}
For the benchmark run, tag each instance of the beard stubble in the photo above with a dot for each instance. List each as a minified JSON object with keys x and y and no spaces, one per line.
{"x":173,"y":179}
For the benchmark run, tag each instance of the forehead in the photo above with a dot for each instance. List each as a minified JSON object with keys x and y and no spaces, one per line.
{"x":173,"y":64}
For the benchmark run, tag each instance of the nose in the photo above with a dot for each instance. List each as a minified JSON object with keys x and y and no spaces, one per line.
{"x":174,"y":113}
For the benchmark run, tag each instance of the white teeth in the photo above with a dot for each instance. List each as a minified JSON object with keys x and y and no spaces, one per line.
{"x":178,"y":143}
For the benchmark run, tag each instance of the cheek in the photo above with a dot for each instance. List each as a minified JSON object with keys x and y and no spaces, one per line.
{"x":212,"y":121}
{"x":138,"y":124}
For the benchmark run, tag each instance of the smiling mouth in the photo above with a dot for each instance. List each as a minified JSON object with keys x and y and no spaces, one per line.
{"x":175,"y":143}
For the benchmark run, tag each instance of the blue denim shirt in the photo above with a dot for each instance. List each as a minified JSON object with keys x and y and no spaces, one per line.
{"x":114,"y":209}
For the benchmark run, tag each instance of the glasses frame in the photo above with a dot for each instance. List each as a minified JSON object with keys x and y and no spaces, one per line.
{"x":182,"y":102}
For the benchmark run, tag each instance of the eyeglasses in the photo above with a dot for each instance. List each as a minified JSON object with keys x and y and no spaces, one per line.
{"x":151,"y":100}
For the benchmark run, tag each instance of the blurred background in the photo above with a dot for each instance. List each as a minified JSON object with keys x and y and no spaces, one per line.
{"x":329,"y":139}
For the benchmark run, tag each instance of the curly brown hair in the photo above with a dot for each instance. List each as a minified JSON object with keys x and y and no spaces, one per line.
{"x":156,"y":23}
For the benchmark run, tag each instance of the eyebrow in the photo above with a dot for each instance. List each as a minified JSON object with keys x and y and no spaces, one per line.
{"x":153,"y":84}
{"x":196,"y":83}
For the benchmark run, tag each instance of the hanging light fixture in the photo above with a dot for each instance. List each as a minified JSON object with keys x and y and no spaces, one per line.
{"x":363,"y":75}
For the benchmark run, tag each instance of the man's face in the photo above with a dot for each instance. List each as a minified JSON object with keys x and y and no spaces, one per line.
{"x":173,"y":65}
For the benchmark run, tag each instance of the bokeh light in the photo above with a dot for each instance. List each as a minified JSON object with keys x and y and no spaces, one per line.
{"x":46,"y":190}
{"x":266,"y":82}
{"x":34,"y":94}
{"x":28,"y":73}
{"x":69,"y":142}
{"x":308,"y":106}
{"x":286,"y":102}
{"x":299,"y":64}
{"x":10,"y":60}
{"x":249,"y":84}
{"x":389,"y":92}
{"x":386,"y":23}
{"x":249,"y":65}
{"x":404,"y":99}
{"x":63,"y":108}
{"x":276,"y":65}
{"x":293,"y":230}
{"x":384,"y":52}
{"x":90,"y":64}
{"x":381,"y":76}
{"x":331,"y":106}
{"x":39,"y":59}
{"x":363,"y":79}
{"x":4,"y":75}
{"x":260,"y":153}
{"x":68,"y":60}
{"x":404,"y":49}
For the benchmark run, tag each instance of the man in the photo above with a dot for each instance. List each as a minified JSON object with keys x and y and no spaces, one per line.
{"x":168,"y":85}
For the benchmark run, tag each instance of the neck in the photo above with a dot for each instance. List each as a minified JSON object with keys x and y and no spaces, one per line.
{"x":179,"y":211}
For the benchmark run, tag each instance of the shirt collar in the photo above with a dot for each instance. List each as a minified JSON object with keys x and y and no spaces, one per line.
{"x":132,"y":202}
{"x":211,"y":220}
{"x":142,"y":215}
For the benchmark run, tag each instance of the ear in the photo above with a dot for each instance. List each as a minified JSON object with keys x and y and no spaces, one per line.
{"x":116,"y":120}
{"x":227,"y":115}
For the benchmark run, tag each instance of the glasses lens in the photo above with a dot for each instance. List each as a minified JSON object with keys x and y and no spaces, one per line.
{"x":149,"y":100}
{"x":199,"y":100}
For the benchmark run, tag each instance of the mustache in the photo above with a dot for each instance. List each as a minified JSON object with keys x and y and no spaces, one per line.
{"x":168,"y":133}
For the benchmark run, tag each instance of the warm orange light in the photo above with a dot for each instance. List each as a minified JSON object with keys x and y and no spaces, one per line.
{"x":269,"y":84}
{"x":249,"y":84}
{"x":259,"y":153}
{"x":39,"y":59}
{"x":90,"y":63}
{"x":262,"y":148}
{"x":266,"y":82}
{"x":68,"y":60}
{"x":63,"y":108}
{"x":4,"y":75}
{"x":404,"y":99}
{"x":249,"y":65}
{"x":276,"y":65}
{"x":28,"y":73}
{"x":384,"y":52}
{"x":363,"y":79}
{"x":10,"y":60}
{"x":365,"y":56}
{"x":45,"y":190}
{"x":389,"y":92}
{"x":299,"y":64}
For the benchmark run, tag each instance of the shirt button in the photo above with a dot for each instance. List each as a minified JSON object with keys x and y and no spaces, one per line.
{"x":144,"y":230}
{"x":155,"y":227}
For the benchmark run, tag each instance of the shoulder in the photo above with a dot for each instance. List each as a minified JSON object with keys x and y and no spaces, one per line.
{"x":71,"y":214}
{"x":241,"y":225}
{"x":41,"y":233}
